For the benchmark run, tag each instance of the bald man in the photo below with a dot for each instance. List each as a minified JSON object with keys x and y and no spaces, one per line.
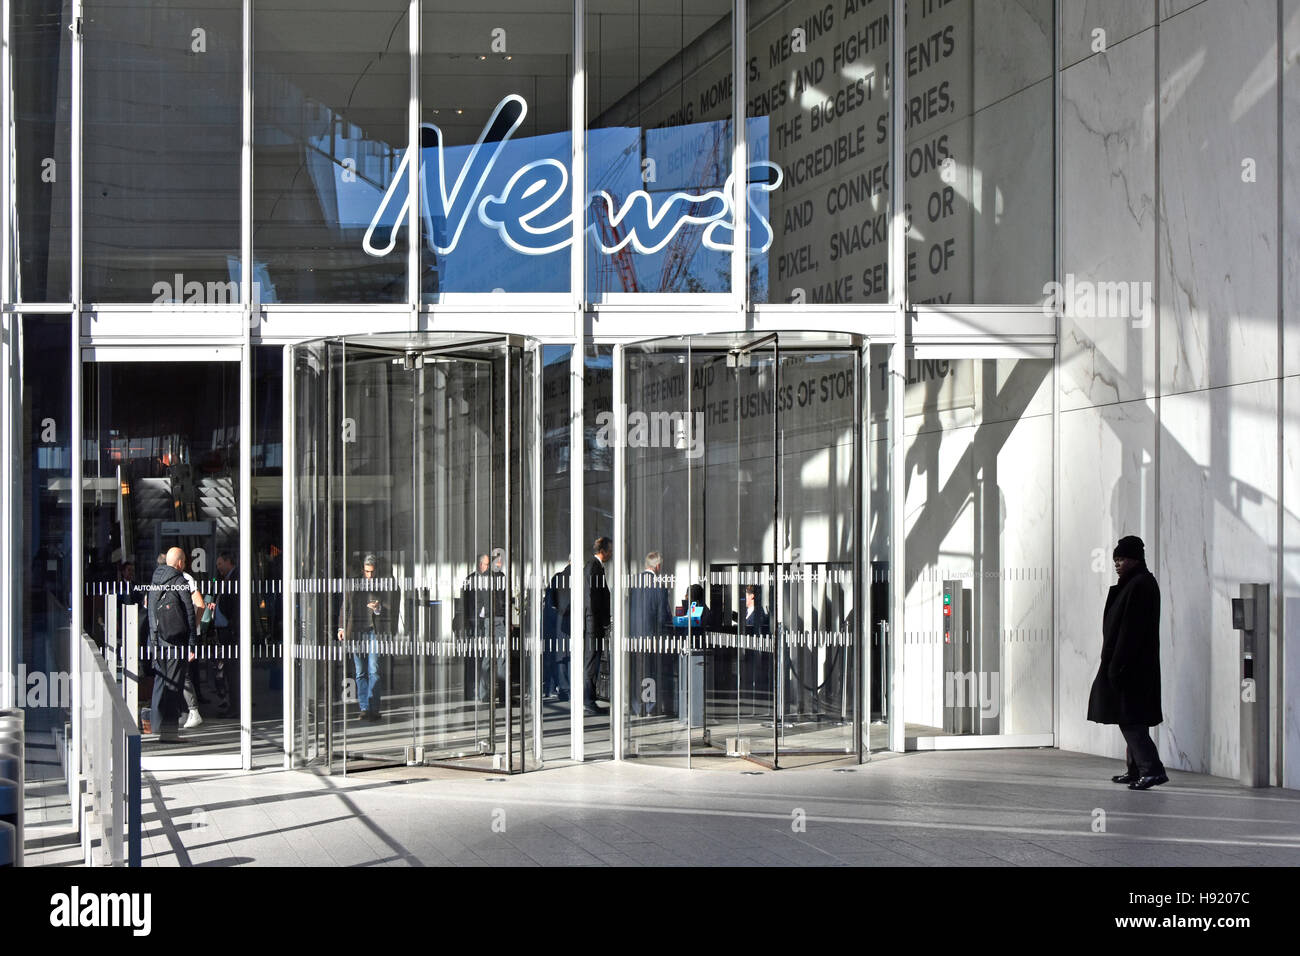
{"x":173,"y":605}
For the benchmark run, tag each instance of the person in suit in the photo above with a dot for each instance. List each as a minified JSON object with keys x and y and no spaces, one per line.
{"x":225,"y":620}
{"x":555,"y":660}
{"x":597,"y":618}
{"x":368,"y":611}
{"x":649,"y":616}
{"x":756,"y":619}
{"x":484,"y":602}
{"x":1126,"y":690}
{"x":756,"y":663}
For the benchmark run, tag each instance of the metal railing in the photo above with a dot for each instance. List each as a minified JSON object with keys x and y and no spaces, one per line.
{"x":12,"y":747}
{"x":110,"y":766}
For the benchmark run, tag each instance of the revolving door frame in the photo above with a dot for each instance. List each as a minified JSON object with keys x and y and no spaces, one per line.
{"x":746,"y":343}
{"x":520,"y":746}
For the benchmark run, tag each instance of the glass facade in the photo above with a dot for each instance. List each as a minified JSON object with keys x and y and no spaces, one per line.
{"x":161,"y":151}
{"x":641,"y":282}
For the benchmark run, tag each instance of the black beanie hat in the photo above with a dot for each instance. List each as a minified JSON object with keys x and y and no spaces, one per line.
{"x":1130,"y":546}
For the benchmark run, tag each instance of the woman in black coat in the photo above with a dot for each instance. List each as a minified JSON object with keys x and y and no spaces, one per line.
{"x":1126,"y":690}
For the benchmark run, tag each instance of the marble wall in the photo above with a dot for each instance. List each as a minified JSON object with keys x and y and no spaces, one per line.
{"x":1170,"y":421}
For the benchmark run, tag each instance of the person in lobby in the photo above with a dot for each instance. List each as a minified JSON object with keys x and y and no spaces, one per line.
{"x":172,"y":636}
{"x":225,"y":622}
{"x":483,"y":599}
{"x":649,"y":617}
{"x":596,"y":622}
{"x":1126,"y":690}
{"x":555,"y":659}
{"x":367,"y":612}
{"x":756,"y":620}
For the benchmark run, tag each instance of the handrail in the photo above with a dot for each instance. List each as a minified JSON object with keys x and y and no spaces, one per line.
{"x":109,"y":766}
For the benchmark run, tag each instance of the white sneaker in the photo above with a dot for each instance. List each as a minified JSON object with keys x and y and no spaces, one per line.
{"x":193,"y":720}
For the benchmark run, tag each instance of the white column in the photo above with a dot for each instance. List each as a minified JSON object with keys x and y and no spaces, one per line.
{"x":897,"y":379}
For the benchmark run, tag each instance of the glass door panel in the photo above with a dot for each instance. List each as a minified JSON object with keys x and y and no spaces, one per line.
{"x":161,"y":461}
{"x":663,"y":437}
{"x":753,"y":513}
{"x":375,"y":717}
{"x":414,"y":534}
{"x":820,"y":463}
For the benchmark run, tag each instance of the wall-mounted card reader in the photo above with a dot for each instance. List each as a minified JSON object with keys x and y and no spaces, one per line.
{"x":1250,"y":616}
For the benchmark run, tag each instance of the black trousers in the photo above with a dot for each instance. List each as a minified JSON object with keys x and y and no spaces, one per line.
{"x":169,"y":671}
{"x":591,"y":669}
{"x":1142,"y":756}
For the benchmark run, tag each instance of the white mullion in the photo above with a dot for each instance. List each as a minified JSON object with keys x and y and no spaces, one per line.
{"x":413,"y":170}
{"x":75,"y":524}
{"x":739,"y":161}
{"x":577,"y":491}
{"x":538,"y":575}
{"x":897,"y":377}
{"x":248,"y":301}
{"x":614,"y":571}
{"x":11,"y":322}
{"x":289,"y":498}
{"x":578,"y":171}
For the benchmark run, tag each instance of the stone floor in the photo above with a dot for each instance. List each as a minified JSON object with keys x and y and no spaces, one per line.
{"x":1002,"y":808}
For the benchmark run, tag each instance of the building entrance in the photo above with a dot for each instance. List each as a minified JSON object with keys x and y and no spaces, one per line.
{"x":741,"y":604}
{"x":415,"y":521}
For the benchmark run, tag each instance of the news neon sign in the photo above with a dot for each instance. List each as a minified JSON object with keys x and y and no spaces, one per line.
{"x":523,"y":213}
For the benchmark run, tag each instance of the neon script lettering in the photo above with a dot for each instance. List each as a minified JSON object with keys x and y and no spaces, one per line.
{"x":523,"y":213}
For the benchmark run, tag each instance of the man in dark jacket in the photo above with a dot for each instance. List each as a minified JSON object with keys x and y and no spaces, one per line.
{"x":649,"y":616}
{"x":483,"y":599}
{"x":1126,"y":690}
{"x":596,"y":622}
{"x":366,"y":615}
{"x":172,"y":607}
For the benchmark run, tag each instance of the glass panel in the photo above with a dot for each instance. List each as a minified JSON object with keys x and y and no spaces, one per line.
{"x":663,"y":437}
{"x":378,"y":554}
{"x":876,"y":655}
{"x":268,"y":530}
{"x":743,"y":544}
{"x":317,"y":656}
{"x":160,"y":485}
{"x":598,"y":500}
{"x":332,"y":88}
{"x":979,"y":546}
{"x":42,"y":172}
{"x":820,"y":419}
{"x":557,"y":619}
{"x":432,"y":633}
{"x":494,"y":89}
{"x":44,"y":435}
{"x":659,"y":143}
{"x":979,"y":151}
{"x":162,"y":134}
{"x":819,"y":119}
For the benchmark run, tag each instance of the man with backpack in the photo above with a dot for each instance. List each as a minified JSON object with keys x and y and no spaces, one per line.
{"x":172,"y":605}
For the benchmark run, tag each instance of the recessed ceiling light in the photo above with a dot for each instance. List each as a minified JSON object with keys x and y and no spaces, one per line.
{"x":482,"y":56}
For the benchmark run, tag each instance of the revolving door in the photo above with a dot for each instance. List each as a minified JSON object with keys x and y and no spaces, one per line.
{"x":740,"y":569}
{"x":413,"y":519}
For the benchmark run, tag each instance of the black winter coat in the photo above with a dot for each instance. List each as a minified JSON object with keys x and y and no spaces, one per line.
{"x":597,"y":611}
{"x":1127,"y":687}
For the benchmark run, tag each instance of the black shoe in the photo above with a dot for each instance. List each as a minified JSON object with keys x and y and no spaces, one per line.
{"x":591,"y":710}
{"x":1146,"y":783}
{"x":374,"y":716}
{"x":1125,"y":778}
